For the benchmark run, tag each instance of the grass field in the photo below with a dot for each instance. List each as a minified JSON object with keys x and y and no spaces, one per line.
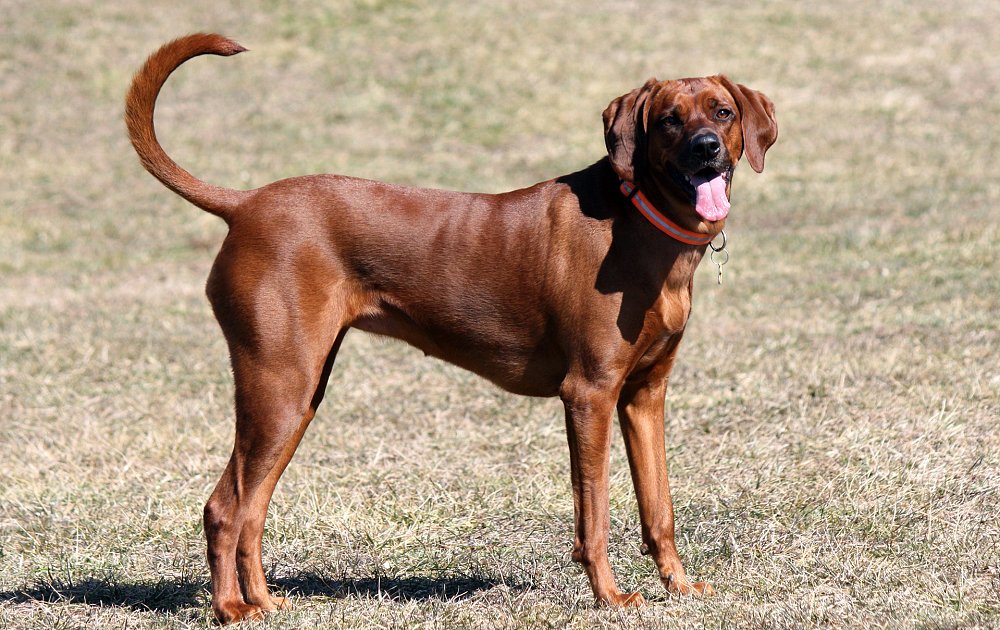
{"x":833,"y":420}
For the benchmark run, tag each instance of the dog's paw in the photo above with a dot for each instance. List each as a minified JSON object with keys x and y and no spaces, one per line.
{"x":684,"y":587}
{"x":622,"y":600}
{"x":271,"y":604}
{"x":235,"y":612}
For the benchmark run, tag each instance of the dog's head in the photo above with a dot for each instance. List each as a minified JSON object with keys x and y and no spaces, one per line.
{"x":684,"y":138}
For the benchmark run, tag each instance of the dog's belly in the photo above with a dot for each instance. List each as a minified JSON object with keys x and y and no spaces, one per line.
{"x":529,"y":367}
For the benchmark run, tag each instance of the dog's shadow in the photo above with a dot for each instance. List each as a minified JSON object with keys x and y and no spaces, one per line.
{"x":164,"y":595}
{"x":456,"y":587}
{"x":173,"y":595}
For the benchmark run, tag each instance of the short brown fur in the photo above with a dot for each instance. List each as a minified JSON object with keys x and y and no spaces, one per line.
{"x":559,"y":289}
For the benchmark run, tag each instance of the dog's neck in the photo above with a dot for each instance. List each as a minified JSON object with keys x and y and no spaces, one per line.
{"x":638,"y":251}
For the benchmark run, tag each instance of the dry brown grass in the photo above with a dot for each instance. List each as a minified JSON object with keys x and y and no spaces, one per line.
{"x":832,"y":421}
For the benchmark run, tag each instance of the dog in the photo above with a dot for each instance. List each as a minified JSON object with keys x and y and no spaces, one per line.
{"x":578,"y":287}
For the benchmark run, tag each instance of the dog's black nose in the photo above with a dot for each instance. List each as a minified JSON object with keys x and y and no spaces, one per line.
{"x":706,"y":146}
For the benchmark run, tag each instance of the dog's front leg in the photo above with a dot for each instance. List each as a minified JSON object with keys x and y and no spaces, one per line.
{"x":640,"y":413}
{"x":588,"y":426}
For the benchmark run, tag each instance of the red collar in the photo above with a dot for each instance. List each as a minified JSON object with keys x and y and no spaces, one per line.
{"x":661,"y":222}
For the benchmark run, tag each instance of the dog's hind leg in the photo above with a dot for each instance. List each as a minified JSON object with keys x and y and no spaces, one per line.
{"x":249,"y":564}
{"x":278,"y":388}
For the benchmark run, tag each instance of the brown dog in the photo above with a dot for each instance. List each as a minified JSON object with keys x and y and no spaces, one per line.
{"x":577,"y":287}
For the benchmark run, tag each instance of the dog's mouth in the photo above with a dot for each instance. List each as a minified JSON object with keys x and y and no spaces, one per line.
{"x":705,"y":189}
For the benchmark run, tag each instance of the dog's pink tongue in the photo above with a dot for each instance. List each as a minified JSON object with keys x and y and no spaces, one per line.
{"x":712,"y":203}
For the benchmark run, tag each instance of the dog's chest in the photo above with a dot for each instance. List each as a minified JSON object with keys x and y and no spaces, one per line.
{"x":670,"y":313}
{"x":665,"y":324}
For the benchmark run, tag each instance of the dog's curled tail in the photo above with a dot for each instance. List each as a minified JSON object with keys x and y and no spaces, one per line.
{"x":139,"y":104}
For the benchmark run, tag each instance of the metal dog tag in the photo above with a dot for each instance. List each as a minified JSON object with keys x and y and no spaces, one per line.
{"x":719,"y":255}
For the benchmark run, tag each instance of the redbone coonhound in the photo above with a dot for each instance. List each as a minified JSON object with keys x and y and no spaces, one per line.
{"x":577,"y":287}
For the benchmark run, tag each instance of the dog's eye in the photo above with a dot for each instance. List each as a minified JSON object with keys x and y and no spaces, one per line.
{"x":670,"y":120}
{"x":724,"y":114}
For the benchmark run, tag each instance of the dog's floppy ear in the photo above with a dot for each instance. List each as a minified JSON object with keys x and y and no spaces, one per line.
{"x":624,"y":127}
{"x":760,"y":129}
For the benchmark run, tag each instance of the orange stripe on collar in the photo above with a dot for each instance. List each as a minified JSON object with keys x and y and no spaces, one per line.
{"x":661,"y":222}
